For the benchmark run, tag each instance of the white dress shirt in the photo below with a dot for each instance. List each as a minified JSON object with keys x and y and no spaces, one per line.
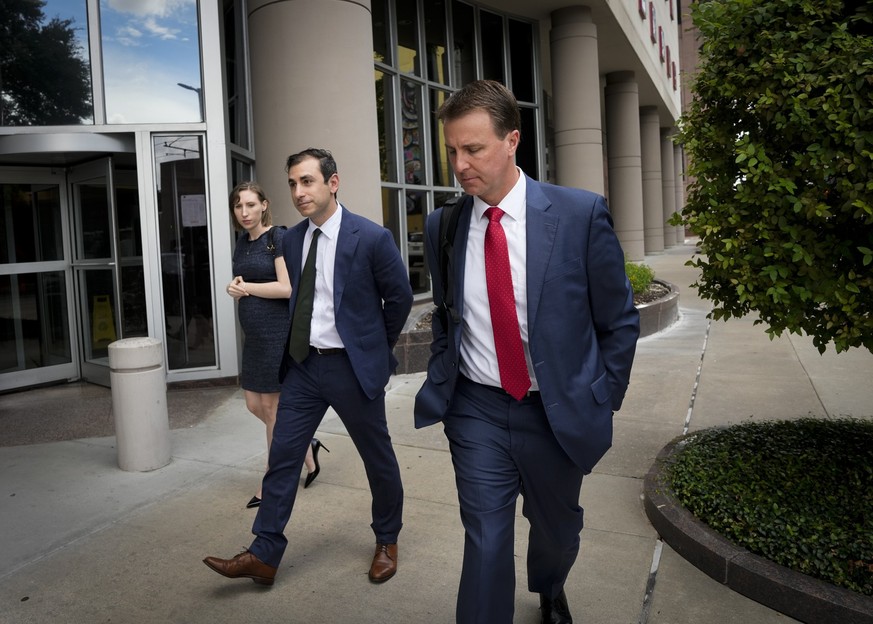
{"x":322,"y":332}
{"x":478,"y":354}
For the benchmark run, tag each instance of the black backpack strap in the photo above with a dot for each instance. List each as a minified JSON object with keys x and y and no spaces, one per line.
{"x":448,"y":228}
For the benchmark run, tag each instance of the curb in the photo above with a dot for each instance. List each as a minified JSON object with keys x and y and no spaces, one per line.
{"x":797,"y":595}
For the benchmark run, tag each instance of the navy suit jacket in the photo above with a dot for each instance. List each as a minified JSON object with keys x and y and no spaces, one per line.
{"x":583,"y":326}
{"x":372,"y":296}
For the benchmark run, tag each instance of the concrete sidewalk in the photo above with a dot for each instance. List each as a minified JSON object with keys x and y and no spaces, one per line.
{"x":86,"y":542}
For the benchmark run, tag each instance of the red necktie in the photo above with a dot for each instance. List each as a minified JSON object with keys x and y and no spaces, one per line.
{"x":504,"y":321}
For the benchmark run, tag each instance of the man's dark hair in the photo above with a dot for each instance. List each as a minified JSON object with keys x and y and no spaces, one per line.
{"x":324,"y":157}
{"x":488,"y":95}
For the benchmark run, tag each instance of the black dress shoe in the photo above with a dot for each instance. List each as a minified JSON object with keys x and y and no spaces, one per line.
{"x":555,"y":610}
{"x":254,"y":502}
{"x":316,"y":446}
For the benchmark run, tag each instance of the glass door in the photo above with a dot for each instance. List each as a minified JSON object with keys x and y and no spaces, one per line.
{"x":36,"y":346}
{"x":107,"y":263}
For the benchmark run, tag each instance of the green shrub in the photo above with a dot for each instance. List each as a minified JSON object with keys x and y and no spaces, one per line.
{"x":799,"y":493}
{"x":639,"y":275}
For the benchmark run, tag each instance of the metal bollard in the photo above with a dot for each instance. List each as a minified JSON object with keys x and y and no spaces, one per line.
{"x":139,"y":403}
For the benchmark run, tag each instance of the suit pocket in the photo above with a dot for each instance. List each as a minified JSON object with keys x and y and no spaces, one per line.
{"x":600,"y":389}
{"x":556,"y":272}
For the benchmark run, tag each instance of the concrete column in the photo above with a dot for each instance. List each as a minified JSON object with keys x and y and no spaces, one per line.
{"x":680,"y":191}
{"x":310,"y":89}
{"x":668,"y":187}
{"x":576,"y":86}
{"x":139,"y":403}
{"x":650,"y":159}
{"x":623,"y":160}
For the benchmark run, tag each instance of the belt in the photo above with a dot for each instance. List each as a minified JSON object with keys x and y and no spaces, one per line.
{"x":530,"y":394}
{"x":320,"y":351}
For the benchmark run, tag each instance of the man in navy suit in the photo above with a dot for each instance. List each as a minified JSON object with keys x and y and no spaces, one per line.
{"x":574,"y":313}
{"x":362,"y":298}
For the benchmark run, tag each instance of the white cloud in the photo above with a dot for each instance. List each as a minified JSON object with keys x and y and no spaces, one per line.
{"x":143,"y":8}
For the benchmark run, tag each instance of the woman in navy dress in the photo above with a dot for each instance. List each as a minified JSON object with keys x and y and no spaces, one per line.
{"x":261,"y":287}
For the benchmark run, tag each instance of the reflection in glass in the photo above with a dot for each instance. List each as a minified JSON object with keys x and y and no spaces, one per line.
{"x":435,"y":41}
{"x":30,"y":223}
{"x":413,"y":151}
{"x":492,"y":46}
{"x":442,"y":169}
{"x":381,"y":32}
{"x":385,"y":121}
{"x":235,"y":64}
{"x":526,"y":155}
{"x":464,"y":43}
{"x":96,"y":227}
{"x":134,"y":321}
{"x":149,"y":50}
{"x":45,"y":75}
{"x":407,"y":38}
{"x":185,"y":259}
{"x":34,"y":328}
{"x":416,"y":212}
{"x":391,"y":213}
{"x":98,"y":326}
{"x":521,"y":60}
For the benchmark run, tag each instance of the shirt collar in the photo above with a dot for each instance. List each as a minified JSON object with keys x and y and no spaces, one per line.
{"x":514,"y":204}
{"x":329,"y":228}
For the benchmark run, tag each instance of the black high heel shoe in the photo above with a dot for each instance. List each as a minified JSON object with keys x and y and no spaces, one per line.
{"x":316,"y":446}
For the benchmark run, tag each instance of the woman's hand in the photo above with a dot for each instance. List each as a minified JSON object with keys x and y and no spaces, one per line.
{"x":237,"y":288}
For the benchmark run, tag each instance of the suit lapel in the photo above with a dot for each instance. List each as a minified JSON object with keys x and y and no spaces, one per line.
{"x":541,"y":229}
{"x":460,"y":250}
{"x":347,"y":242}
{"x":293,"y":256}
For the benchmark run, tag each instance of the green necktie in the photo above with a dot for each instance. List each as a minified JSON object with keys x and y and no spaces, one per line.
{"x":300,"y":324}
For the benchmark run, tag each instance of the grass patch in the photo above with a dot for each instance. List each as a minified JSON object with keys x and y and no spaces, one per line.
{"x":799,"y":493}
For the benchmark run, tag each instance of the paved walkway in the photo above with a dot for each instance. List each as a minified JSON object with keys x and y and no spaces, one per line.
{"x":83,"y":541}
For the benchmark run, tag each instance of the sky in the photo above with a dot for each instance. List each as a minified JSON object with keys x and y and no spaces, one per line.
{"x":149,"y":46}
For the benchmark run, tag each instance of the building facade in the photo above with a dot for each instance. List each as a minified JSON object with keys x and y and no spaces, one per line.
{"x":124,"y":125}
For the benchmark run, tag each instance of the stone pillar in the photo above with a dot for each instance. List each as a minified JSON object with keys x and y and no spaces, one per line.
{"x":668,"y":188}
{"x":650,"y":160}
{"x":312,"y":91}
{"x":576,"y":87}
{"x":623,"y":158}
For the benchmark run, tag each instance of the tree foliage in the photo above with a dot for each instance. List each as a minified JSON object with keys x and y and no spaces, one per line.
{"x":780,"y":141}
{"x":43,"y":78}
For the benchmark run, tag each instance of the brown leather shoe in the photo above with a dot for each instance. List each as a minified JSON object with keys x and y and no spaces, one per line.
{"x":384,"y":563}
{"x":244,"y":565}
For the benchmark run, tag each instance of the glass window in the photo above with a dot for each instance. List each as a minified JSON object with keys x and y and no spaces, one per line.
{"x":442,"y":168}
{"x":185,"y":256}
{"x":235,"y":64}
{"x":521,"y":60}
{"x":416,"y":212}
{"x":34,"y":327}
{"x":30,"y":223}
{"x":435,"y":41}
{"x":381,"y":32}
{"x":45,"y":68}
{"x":413,"y":143}
{"x":385,"y":120}
{"x":407,"y":38}
{"x":464,"y":43}
{"x":492,"y":46}
{"x":526,"y":154}
{"x":151,"y":61}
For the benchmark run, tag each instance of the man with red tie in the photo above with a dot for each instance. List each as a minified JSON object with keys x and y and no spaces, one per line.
{"x":526,"y":372}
